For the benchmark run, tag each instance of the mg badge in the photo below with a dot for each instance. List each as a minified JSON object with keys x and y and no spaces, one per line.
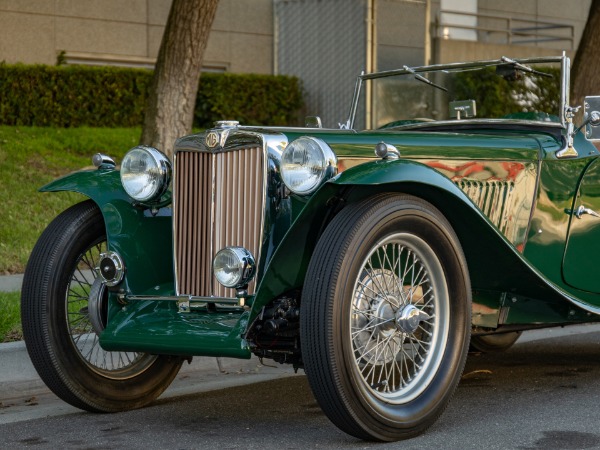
{"x":212,"y":139}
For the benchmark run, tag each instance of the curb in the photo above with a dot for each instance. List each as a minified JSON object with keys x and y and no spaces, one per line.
{"x":17,"y":375}
{"x":19,"y":379}
{"x":11,"y":283}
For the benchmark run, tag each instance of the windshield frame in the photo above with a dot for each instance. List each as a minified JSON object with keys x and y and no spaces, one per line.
{"x":565,"y":66}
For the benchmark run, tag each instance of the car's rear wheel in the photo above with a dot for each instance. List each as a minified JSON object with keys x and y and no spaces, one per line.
{"x":493,"y":343}
{"x":63,"y":308}
{"x":385,"y":317}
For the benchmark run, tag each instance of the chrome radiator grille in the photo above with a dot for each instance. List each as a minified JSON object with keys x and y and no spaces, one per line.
{"x":218,"y":202}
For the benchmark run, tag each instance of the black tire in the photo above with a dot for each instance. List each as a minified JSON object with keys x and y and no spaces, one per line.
{"x":60,"y":339}
{"x":494,"y":343}
{"x":383,"y":364}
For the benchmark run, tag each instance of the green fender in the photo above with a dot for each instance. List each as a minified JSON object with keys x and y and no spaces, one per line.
{"x":494,"y":264}
{"x":143,"y":240}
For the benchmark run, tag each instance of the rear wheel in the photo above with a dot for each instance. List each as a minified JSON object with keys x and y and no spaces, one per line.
{"x":494,"y":343}
{"x":63,"y":309}
{"x":385,"y":317}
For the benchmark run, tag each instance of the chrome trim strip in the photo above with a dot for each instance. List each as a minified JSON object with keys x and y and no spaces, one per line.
{"x":349,"y":125}
{"x":461,"y":123}
{"x":178,"y":298}
{"x":456,"y":66}
{"x":189,"y":303}
{"x":565,"y":67}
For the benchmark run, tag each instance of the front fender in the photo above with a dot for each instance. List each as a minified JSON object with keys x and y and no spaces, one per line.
{"x":143,"y":240}
{"x":287,"y":267}
{"x":494,"y":263}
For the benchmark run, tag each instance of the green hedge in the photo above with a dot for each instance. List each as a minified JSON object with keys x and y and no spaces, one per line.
{"x":71,"y":96}
{"x":250,"y":99}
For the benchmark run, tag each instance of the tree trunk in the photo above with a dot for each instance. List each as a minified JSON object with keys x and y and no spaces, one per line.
{"x":169,"y":109}
{"x":584,"y":76}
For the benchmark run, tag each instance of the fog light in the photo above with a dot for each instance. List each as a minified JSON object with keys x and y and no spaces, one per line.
{"x":234,"y":267}
{"x":111,"y":268}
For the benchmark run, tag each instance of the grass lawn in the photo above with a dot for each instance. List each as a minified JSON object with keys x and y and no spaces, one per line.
{"x":10,"y":317}
{"x":31,"y":157}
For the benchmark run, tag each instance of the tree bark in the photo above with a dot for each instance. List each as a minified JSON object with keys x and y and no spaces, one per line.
{"x":169,"y":109}
{"x":586,"y":66}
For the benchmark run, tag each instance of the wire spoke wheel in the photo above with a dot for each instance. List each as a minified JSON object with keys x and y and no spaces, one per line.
{"x":399,"y":315}
{"x":64,"y":309}
{"x":115,"y":365}
{"x":385,"y":317}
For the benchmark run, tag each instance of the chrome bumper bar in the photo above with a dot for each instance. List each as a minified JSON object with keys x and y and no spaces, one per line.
{"x":187,"y":303}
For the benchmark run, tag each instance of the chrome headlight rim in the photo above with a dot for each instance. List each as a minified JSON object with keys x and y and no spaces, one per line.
{"x":245,"y":266}
{"x":327,"y":169}
{"x":161,"y":171}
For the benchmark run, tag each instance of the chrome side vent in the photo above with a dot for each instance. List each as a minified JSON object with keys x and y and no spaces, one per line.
{"x":492,"y":197}
{"x":506,"y":203}
{"x":218,"y":202}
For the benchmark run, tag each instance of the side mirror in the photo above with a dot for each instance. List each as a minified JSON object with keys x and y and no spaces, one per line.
{"x":592,"y":118}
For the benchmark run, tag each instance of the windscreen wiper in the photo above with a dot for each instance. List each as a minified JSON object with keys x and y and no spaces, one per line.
{"x":423,"y":79}
{"x":523,"y":67}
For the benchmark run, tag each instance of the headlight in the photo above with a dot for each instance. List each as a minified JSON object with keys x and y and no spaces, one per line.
{"x":145,"y":173}
{"x":306,"y":163}
{"x":233,"y":267}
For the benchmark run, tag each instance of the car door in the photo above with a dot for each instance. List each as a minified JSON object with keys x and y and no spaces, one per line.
{"x":581,"y":263}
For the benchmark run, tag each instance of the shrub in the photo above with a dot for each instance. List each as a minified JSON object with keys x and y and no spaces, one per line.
{"x":530,"y":93}
{"x":72,"y":96}
{"x":250,"y":99}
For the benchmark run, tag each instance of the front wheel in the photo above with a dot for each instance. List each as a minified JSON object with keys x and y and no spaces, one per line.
{"x":63,"y":308}
{"x":385,"y":317}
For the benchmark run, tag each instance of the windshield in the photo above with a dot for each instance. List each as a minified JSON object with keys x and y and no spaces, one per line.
{"x":503,"y":89}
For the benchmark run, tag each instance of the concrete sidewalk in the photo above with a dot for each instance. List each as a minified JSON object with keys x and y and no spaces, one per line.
{"x":11,"y":283}
{"x":19,"y":379}
{"x":24,"y":396}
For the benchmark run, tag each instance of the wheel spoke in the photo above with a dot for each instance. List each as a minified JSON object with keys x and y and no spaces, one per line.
{"x":376,"y":280}
{"x":84,"y":338}
{"x":372,"y":326}
{"x":392,"y":359}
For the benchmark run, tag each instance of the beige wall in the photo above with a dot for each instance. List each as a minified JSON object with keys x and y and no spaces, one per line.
{"x":129,"y":32}
{"x":400,"y":36}
{"x":572,"y":13}
{"x":242,"y":38}
{"x":449,"y":51}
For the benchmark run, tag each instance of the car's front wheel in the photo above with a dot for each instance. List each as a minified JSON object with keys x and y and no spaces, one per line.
{"x":385,"y":317}
{"x":63,"y":309}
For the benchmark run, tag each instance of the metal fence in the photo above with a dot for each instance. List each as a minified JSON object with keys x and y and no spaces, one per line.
{"x":492,"y":29}
{"x":323,"y":43}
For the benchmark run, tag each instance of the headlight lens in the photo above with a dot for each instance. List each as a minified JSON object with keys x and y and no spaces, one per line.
{"x":233,"y":267}
{"x":306,"y":163}
{"x":145,"y":173}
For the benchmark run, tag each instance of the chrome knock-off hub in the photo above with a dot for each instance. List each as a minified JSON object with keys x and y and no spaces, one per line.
{"x":409,"y":317}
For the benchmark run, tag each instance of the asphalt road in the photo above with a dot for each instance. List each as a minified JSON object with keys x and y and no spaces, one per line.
{"x":541,"y":394}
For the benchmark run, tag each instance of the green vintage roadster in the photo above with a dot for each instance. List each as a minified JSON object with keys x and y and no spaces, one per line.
{"x":466,"y":210}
